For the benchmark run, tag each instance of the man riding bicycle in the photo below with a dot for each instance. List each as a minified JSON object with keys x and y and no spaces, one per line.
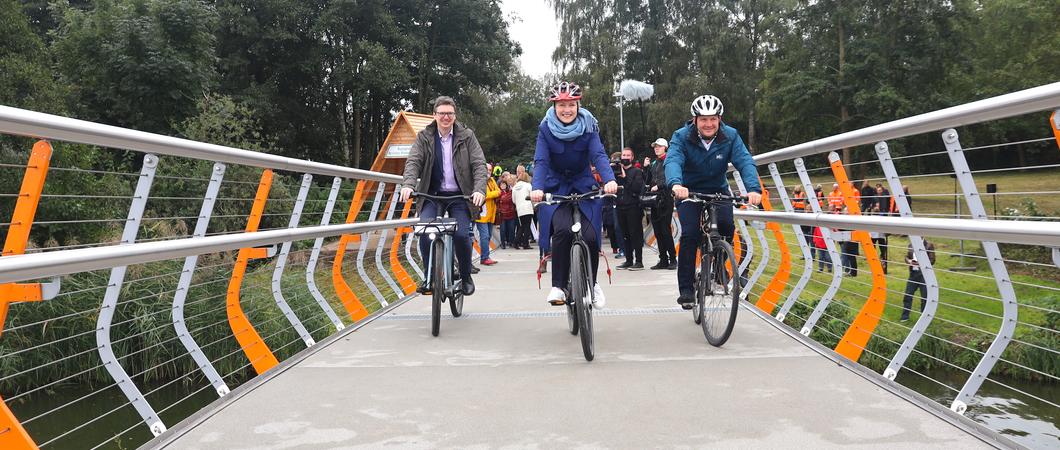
{"x":568,"y":145}
{"x":447,"y":160}
{"x":698,"y":159}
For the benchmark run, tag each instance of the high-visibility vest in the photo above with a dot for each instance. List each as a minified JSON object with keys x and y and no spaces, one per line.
{"x":799,"y":201}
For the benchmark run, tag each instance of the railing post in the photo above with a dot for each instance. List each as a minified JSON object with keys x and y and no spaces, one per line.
{"x":364,"y":248}
{"x":807,"y":255}
{"x":923,"y":259}
{"x":403,"y":277}
{"x":829,"y":243}
{"x":314,"y":256}
{"x":184,"y":284}
{"x":381,"y":245}
{"x":255,"y":348}
{"x":409,"y":244}
{"x":853,"y":342}
{"x":767,"y":301}
{"x":349,"y":299}
{"x":110,"y":302}
{"x":12,"y":434}
{"x":758,"y":227}
{"x":997,"y":266}
{"x":281,"y":264}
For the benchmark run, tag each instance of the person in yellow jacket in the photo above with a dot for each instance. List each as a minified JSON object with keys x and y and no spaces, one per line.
{"x":484,"y":222}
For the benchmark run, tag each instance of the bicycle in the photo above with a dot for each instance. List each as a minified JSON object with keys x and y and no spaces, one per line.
{"x":579,"y":291}
{"x":440,"y":231}
{"x":717,"y":297}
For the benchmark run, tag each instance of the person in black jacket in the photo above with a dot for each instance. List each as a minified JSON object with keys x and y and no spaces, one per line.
{"x":663,"y":211}
{"x":630,"y":214}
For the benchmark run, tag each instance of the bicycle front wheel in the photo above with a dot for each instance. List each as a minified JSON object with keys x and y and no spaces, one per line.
{"x":437,"y":285}
{"x":580,"y":292}
{"x":721,"y":296}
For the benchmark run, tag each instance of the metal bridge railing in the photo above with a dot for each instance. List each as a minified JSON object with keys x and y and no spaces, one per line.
{"x":986,"y":341}
{"x":144,"y":277}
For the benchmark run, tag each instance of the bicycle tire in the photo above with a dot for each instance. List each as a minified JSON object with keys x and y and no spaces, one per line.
{"x":437,"y":285}
{"x":719,"y":317}
{"x":581,"y":296}
{"x":701,"y":289}
{"x":456,"y":304}
{"x":572,"y":318}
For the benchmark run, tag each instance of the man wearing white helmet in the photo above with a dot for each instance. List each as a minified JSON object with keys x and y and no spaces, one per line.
{"x":699,"y":156}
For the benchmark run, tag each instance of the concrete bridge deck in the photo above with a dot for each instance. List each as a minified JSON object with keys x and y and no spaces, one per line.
{"x":508,"y":374}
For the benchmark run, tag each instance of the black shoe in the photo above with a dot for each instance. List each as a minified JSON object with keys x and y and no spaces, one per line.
{"x":687,"y":300}
{"x":475,"y":269}
{"x":637,"y":266}
{"x":660,"y":266}
{"x":672,"y":266}
{"x":423,"y":288}
{"x":468,"y":287}
{"x":625,"y":265}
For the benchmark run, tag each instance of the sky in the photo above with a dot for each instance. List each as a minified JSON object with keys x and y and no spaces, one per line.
{"x":535,"y":28}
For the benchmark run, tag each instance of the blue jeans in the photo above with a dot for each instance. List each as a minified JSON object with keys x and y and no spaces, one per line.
{"x":691,"y":237}
{"x":461,"y":244}
{"x":824,"y":259}
{"x":485,"y":230}
{"x":508,"y":231}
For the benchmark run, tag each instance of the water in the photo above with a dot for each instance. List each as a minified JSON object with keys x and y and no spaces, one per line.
{"x":1023,"y":419}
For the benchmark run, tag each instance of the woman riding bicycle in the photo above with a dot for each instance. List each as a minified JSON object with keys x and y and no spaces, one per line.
{"x":568,"y":146}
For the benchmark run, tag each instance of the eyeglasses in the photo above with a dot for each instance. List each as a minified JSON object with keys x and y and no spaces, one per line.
{"x":445,"y":114}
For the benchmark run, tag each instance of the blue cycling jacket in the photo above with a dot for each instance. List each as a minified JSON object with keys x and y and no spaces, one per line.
{"x":699,"y":170}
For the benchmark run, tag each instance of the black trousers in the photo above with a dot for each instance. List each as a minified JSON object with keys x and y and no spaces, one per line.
{"x":660,"y":225}
{"x":522,"y":231}
{"x":692,"y":236}
{"x":562,"y":237}
{"x":630,"y":220}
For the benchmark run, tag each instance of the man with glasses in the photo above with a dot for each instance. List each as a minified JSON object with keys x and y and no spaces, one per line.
{"x":447,"y":160}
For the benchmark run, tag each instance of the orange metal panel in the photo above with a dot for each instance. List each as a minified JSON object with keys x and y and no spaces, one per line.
{"x":12,"y":435}
{"x":253,"y":345}
{"x":402,"y":276}
{"x":857,"y":335}
{"x":349,"y":299}
{"x":768,"y":300}
{"x":1054,"y":122}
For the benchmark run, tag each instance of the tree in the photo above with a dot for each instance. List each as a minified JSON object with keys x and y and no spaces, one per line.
{"x":139,"y":64}
{"x":25,"y":80}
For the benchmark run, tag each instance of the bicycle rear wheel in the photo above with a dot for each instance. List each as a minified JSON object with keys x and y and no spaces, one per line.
{"x":721,"y":296}
{"x":456,"y":304}
{"x":580,"y":292}
{"x":437,"y":285}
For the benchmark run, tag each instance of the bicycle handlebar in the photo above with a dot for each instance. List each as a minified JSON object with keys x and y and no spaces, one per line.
{"x":440,"y":197}
{"x":700,"y":197}
{"x":555,"y":199}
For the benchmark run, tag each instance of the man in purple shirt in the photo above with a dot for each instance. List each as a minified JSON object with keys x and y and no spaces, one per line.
{"x":447,"y":160}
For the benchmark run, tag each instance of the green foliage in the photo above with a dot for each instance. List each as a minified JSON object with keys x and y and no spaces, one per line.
{"x":139,"y":63}
{"x":25,"y":78}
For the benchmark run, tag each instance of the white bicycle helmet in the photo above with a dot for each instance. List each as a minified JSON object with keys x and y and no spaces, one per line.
{"x":707,"y":105}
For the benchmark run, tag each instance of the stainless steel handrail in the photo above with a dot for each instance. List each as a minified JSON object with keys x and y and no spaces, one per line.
{"x":1011,"y":231}
{"x":1040,"y":98}
{"x":50,"y":264}
{"x":47,"y":126}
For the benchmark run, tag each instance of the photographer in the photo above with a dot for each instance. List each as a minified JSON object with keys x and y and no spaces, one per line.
{"x":630,"y":214}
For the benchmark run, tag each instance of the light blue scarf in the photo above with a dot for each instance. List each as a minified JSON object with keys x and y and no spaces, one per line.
{"x":585,"y":122}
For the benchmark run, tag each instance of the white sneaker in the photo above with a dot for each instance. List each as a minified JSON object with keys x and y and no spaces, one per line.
{"x":598,"y":297}
{"x":556,"y":295}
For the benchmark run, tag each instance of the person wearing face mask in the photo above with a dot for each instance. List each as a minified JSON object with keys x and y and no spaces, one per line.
{"x":568,"y":145}
{"x":698,"y":160}
{"x":663,"y":211}
{"x":630,"y":213}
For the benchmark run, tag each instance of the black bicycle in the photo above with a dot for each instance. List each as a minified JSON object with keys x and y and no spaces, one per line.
{"x":717,"y":297}
{"x":443,"y":274}
{"x":579,"y":291}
